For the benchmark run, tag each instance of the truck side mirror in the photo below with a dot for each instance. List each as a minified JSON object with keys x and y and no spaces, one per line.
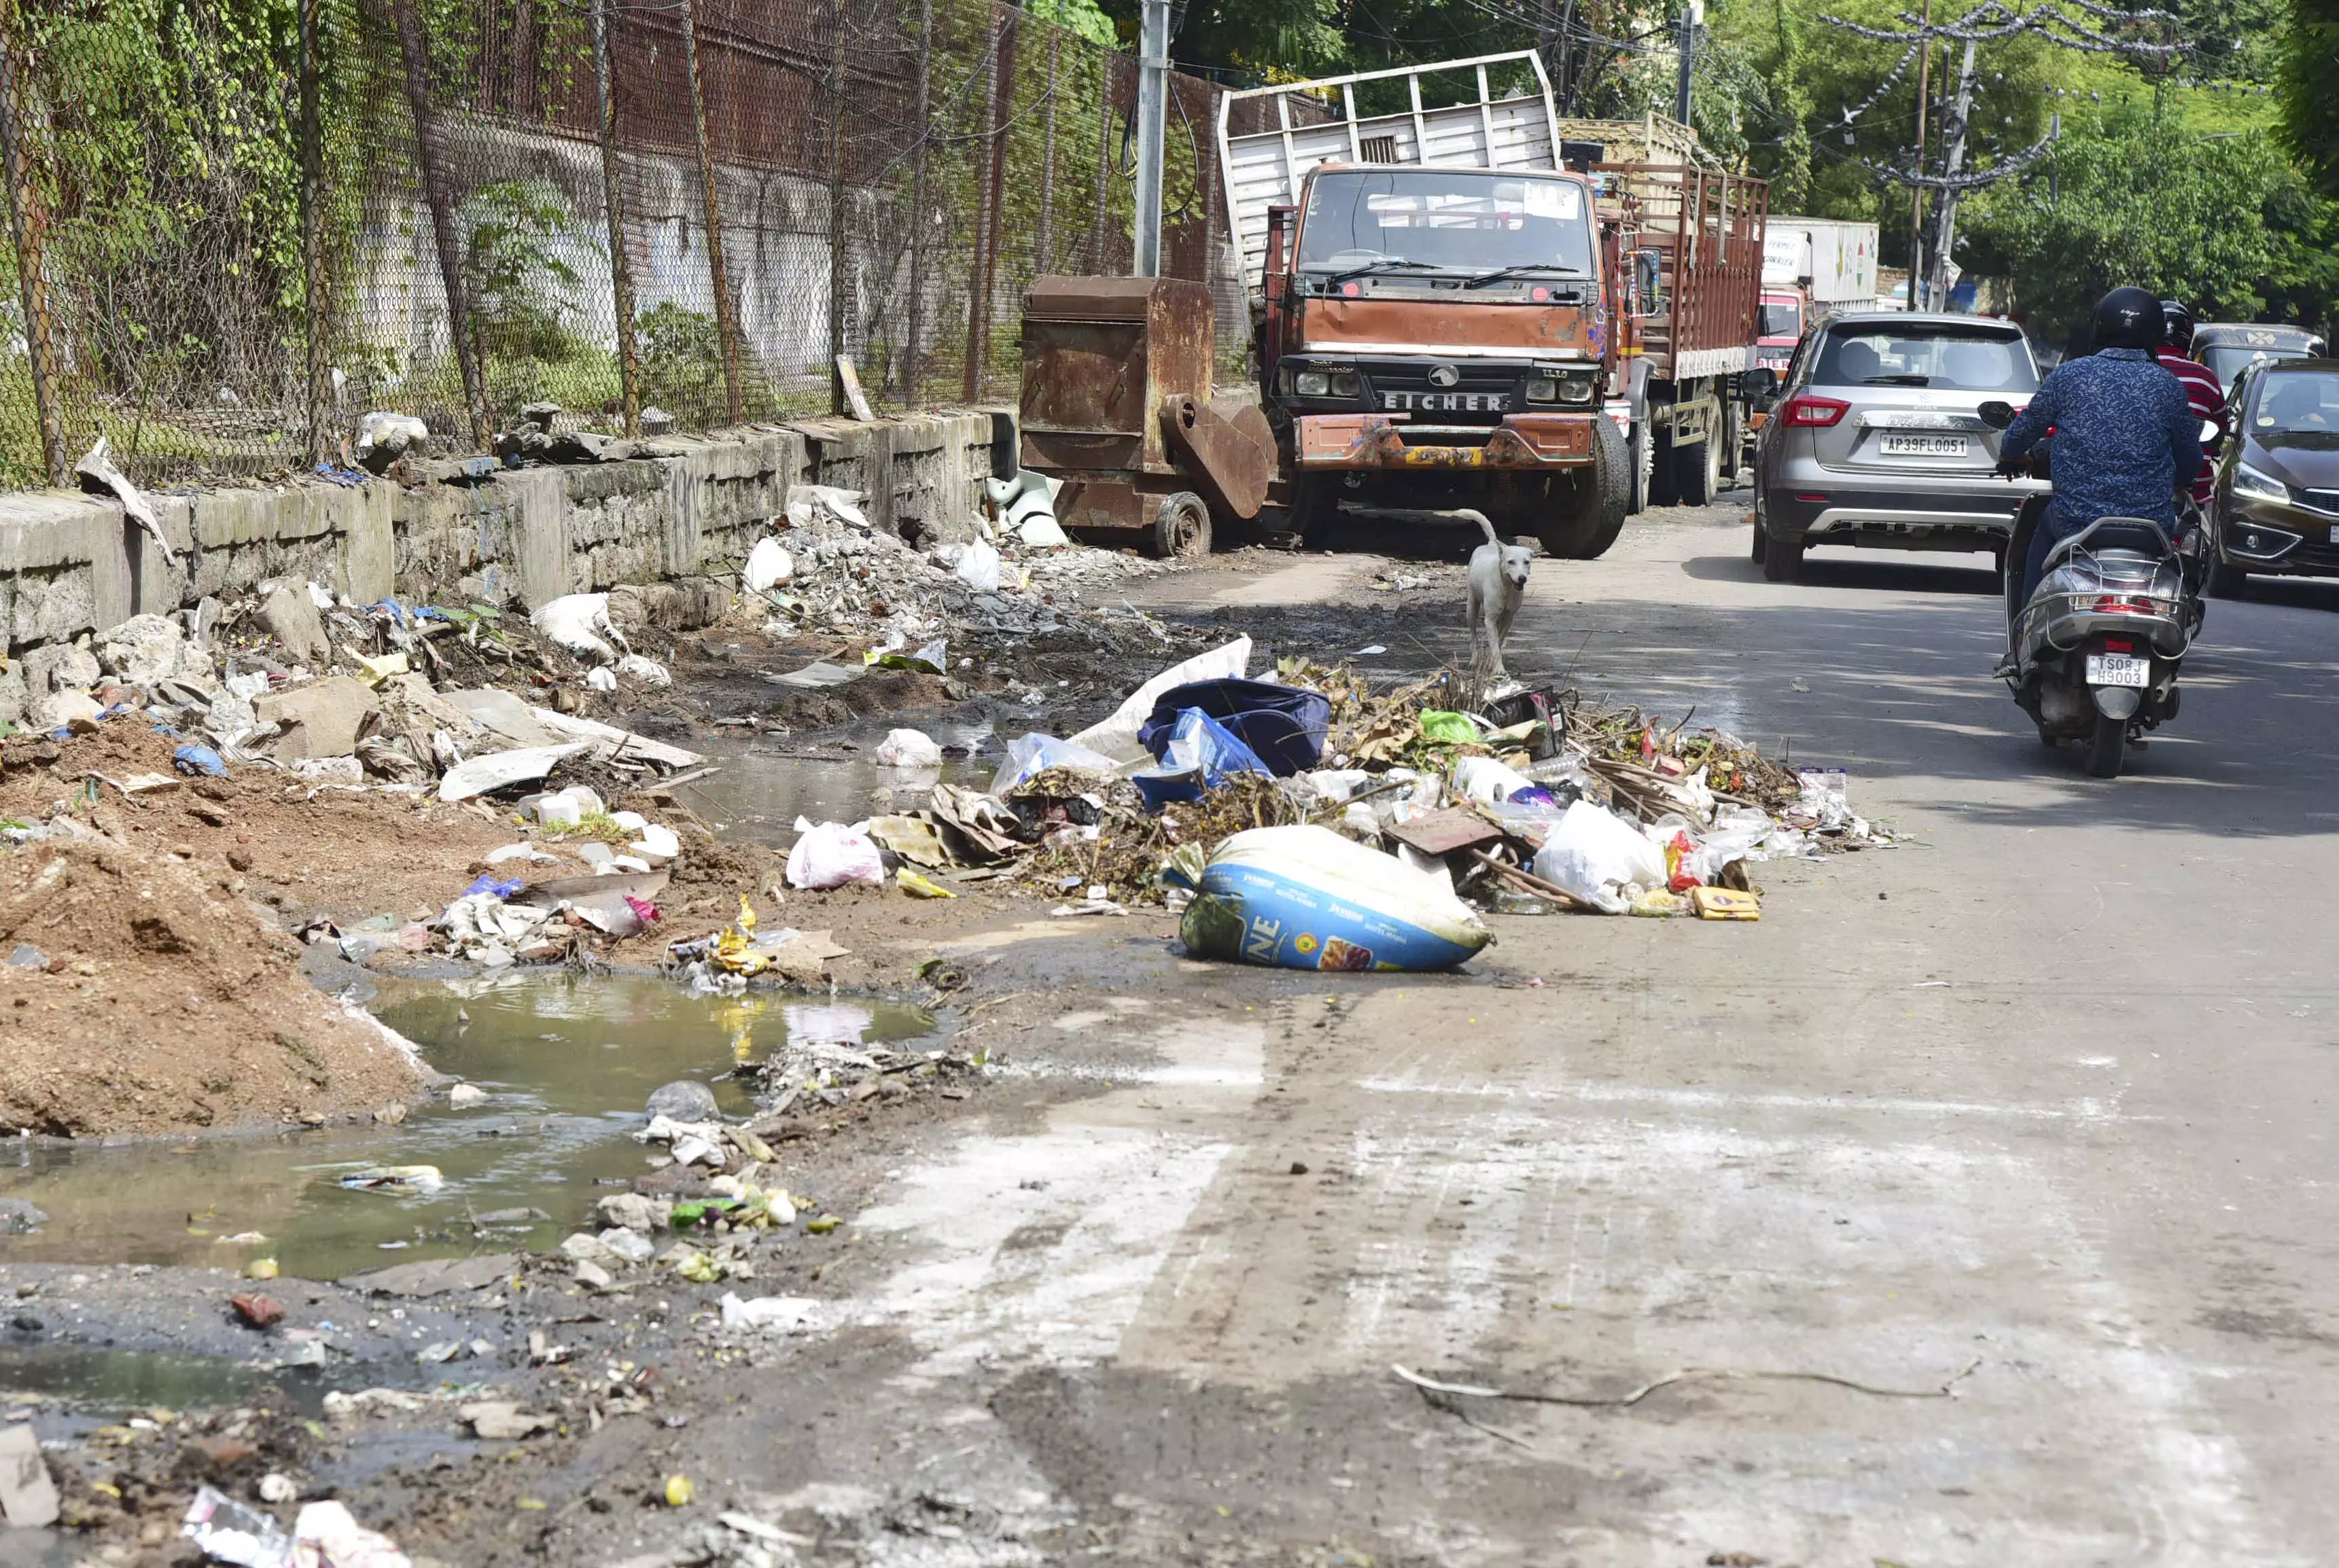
{"x":1648,"y":284}
{"x":1759,"y":386}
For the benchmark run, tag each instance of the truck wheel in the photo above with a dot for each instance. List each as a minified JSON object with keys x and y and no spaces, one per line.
{"x":1697,"y":471}
{"x":1734,"y":444}
{"x":1181,"y":527}
{"x":1582,"y":526}
{"x":1664,"y":470}
{"x":1782,"y":559}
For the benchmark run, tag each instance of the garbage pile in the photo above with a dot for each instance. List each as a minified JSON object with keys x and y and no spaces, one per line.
{"x":1308,"y":821}
{"x":824,"y":568}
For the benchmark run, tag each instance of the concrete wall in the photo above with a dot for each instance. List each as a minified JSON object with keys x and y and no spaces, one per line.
{"x":678,"y":506}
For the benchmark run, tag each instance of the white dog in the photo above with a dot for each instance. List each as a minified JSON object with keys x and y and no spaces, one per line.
{"x":1498,"y":581}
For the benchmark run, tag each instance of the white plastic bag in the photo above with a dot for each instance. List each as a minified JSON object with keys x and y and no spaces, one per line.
{"x":1736,"y":835}
{"x":1595,"y":855}
{"x":1116,"y":737}
{"x":977,"y":567}
{"x":580,"y":623}
{"x":1484,"y":779}
{"x":831,"y":855}
{"x":909,"y":749}
{"x":768,"y":565}
{"x":648,"y":671}
{"x":1035,"y":753}
{"x":807,"y":503}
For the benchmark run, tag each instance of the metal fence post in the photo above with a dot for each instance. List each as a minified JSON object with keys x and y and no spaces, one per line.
{"x":25,"y":232}
{"x":440,"y":194}
{"x":727,"y":318}
{"x":613,"y":199}
{"x":839,"y":402}
{"x":312,"y":246}
{"x":1044,"y":252}
{"x":995,"y":196}
{"x":918,"y":201}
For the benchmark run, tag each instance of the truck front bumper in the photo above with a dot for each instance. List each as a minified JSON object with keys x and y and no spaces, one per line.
{"x":1335,"y":441}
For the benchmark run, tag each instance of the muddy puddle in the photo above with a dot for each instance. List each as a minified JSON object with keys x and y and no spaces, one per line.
{"x":567,"y":1062}
{"x":763,"y":787}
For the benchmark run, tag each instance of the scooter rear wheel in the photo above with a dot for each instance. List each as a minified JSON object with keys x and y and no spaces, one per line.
{"x":2107,"y":747}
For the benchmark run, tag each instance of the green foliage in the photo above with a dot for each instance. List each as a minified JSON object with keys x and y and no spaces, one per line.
{"x":2307,"y":74}
{"x":682,"y":363}
{"x":1084,"y":18}
{"x":2210,"y":220}
{"x":522,"y":288}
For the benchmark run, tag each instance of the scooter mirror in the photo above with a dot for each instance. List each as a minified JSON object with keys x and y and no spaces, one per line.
{"x":1996,"y":414}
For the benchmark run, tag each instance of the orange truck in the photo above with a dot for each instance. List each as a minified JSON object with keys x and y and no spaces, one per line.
{"x":1460,"y":299}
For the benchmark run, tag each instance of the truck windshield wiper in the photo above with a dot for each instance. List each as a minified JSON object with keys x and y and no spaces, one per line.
{"x":1385,"y":264}
{"x":1521,"y":270}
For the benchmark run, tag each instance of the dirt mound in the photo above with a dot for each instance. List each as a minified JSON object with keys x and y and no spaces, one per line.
{"x":138,"y":995}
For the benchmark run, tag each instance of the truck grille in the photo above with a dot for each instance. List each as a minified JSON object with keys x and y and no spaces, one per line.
{"x":1479,"y":394}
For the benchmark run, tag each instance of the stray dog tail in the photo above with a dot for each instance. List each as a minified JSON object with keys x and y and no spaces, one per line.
{"x":1479,"y":519}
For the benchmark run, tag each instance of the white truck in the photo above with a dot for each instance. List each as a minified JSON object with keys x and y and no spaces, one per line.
{"x":1811,"y":266}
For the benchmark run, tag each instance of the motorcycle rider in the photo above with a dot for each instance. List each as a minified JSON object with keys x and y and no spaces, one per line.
{"x":2126,"y":437}
{"x":2202,"y":389}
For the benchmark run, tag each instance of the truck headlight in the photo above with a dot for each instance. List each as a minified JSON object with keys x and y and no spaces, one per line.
{"x":1543,"y":389}
{"x":1314,"y":384}
{"x":1344,"y":383}
{"x":1556,"y":387}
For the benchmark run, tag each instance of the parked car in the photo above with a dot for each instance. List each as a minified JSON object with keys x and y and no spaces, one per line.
{"x":1873,"y":440}
{"x":2228,"y":348}
{"x":2275,"y":509}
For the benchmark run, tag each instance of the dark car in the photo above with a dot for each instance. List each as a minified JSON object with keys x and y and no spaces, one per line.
{"x":2229,"y":348}
{"x":2277,"y":508}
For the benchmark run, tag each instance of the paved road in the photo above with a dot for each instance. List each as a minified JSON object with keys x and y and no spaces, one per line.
{"x":2036,"y":1110}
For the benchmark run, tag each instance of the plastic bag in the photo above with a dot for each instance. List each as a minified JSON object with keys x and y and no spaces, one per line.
{"x":768,"y":565}
{"x":1736,"y":835}
{"x":1306,"y":898}
{"x":977,"y":567}
{"x":1283,"y":726}
{"x":1116,"y":737}
{"x":909,"y":749}
{"x":1596,"y":855}
{"x":1495,"y":783}
{"x":1200,"y":744}
{"x":808,"y":503}
{"x":1035,"y":754}
{"x":580,"y":623}
{"x":1447,"y":728}
{"x":831,"y":855}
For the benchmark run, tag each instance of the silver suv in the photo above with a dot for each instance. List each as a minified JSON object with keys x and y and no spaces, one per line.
{"x":1873,"y":439}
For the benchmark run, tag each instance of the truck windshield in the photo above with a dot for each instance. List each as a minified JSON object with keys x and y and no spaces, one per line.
{"x":1780,"y":319}
{"x":1443,"y":220}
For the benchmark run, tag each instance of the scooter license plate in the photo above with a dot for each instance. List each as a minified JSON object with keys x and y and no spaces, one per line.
{"x":2118,"y":670}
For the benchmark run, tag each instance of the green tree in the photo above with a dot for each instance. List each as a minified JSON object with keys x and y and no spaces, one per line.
{"x":2308,"y":87}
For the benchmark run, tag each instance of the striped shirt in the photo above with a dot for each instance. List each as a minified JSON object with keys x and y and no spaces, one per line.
{"x":2208,"y":401}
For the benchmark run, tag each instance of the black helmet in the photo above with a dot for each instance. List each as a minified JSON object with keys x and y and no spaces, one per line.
{"x":2128,"y":319}
{"x":2177,"y":324}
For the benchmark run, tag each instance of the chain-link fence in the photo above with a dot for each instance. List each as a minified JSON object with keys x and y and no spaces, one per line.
{"x":236,"y":226}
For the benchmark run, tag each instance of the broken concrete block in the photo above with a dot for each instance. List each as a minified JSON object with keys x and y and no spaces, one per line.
{"x":148,"y":650}
{"x":320,"y":718}
{"x":59,"y":710}
{"x":292,"y":616}
{"x":59,"y":666}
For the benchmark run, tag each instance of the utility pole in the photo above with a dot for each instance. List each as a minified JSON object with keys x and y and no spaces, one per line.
{"x":1153,"y":132}
{"x":1692,"y":15}
{"x":1953,"y":159}
{"x":1917,"y":193}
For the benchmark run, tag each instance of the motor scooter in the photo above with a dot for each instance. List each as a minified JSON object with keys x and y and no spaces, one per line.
{"x":2094,"y":655}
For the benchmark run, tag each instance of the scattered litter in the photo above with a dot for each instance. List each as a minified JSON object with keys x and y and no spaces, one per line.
{"x":28,"y":1495}
{"x":399,"y":1179}
{"x":502,"y":1420}
{"x":830,"y":854}
{"x":909,"y":749}
{"x":1304,"y":897}
{"x":580,"y":623}
{"x":256,"y":1311}
{"x":768,"y":565}
{"x":501,"y":770}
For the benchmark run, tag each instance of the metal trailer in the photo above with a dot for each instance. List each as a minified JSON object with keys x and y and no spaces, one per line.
{"x":1117,"y":406}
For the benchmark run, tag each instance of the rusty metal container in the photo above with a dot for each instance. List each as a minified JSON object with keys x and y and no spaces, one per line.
{"x":1101,"y":355}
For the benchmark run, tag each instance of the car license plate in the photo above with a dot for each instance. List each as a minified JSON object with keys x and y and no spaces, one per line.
{"x":2118,"y":670}
{"x":1924,"y":445}
{"x":2334,"y":533}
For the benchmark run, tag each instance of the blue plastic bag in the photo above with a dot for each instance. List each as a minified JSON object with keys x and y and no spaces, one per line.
{"x":193,"y":759}
{"x":485,"y":882}
{"x":1198,"y":753}
{"x":1283,"y":726}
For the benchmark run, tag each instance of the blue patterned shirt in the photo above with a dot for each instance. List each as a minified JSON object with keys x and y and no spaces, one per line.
{"x":2125,"y":437}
